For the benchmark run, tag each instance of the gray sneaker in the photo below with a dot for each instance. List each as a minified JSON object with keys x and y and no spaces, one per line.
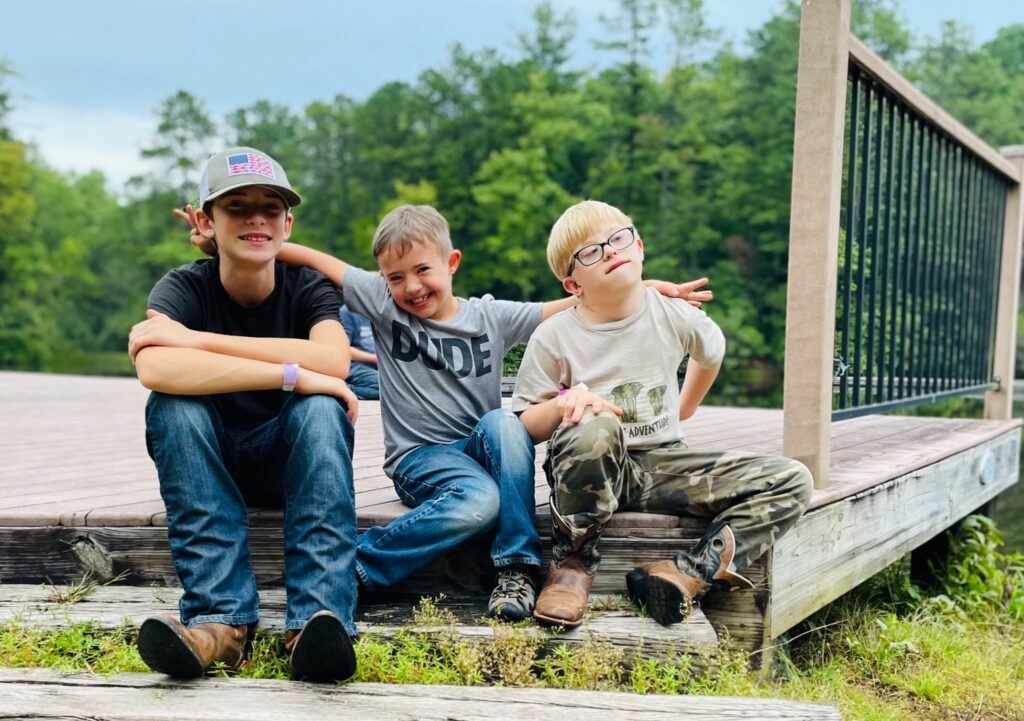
{"x":513,"y":597}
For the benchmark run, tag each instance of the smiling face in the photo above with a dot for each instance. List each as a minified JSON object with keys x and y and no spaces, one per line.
{"x":249,"y":224}
{"x":615,"y":271}
{"x":420,"y":279}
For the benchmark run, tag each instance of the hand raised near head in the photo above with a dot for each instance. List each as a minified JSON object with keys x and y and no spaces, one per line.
{"x":206,"y":244}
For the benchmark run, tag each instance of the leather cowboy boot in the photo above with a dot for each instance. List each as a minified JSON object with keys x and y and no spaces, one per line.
{"x":668,"y":588}
{"x":563,"y":600}
{"x":167,"y":646}
{"x":322,"y":651}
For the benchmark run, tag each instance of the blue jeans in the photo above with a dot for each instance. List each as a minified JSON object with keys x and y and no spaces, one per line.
{"x":208,"y":472}
{"x":364,"y":381}
{"x":458,"y":491}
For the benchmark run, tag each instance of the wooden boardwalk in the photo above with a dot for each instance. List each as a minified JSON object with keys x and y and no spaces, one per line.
{"x":78,"y":494}
{"x":72,"y":451}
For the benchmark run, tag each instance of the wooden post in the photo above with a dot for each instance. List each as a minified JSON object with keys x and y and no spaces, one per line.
{"x":814,"y":233}
{"x":999,"y":403}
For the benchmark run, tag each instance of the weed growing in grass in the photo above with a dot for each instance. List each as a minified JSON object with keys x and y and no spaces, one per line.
{"x":510,"y":656}
{"x":649,"y":675}
{"x":266,"y":658}
{"x":594,"y":665}
{"x":82,"y":647}
{"x":79,"y":590}
{"x":978,"y":578}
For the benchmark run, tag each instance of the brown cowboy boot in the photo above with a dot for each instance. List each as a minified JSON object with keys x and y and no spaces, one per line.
{"x":322,"y":651}
{"x":668,"y":588}
{"x":167,"y":646}
{"x":563,"y":600}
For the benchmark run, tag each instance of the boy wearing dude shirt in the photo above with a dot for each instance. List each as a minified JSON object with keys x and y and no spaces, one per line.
{"x":600,"y":382}
{"x":462,"y":463}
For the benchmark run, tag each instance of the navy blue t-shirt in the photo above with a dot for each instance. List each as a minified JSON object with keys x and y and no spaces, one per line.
{"x":194,"y":296}
{"x":359,"y":332}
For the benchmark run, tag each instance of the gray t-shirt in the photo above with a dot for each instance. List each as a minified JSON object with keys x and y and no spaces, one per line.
{"x":437,"y":379}
{"x":630,"y":362}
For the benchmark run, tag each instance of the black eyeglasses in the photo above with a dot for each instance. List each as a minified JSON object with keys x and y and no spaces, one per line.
{"x":590,"y":254}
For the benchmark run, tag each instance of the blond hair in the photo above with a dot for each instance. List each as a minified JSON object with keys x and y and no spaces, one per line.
{"x":576,"y":224}
{"x":408,"y":224}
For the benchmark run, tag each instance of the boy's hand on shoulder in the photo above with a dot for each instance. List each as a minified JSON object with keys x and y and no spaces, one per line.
{"x":206,"y":245}
{"x":575,"y":402}
{"x":160,"y":330}
{"x":309,"y":382}
{"x":689,"y":291}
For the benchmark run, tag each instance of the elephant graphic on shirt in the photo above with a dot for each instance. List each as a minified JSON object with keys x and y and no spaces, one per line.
{"x":656,"y":397}
{"x":624,"y":396}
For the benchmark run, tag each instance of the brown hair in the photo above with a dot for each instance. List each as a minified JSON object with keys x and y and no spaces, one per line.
{"x":407,"y":224}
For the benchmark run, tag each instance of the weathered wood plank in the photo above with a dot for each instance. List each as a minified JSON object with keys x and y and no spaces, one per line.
{"x":115,"y":606}
{"x":63,"y":554}
{"x":834,"y":548}
{"x":43,"y":694}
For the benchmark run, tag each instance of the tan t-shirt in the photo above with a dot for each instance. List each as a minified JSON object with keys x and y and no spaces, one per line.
{"x":631,"y":363}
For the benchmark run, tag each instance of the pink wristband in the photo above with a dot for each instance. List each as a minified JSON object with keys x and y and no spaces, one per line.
{"x":581,"y":385}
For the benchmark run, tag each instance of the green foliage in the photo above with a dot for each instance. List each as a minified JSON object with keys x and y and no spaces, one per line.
{"x":82,"y":647}
{"x":184,"y":137}
{"x":698,"y":154}
{"x":979,"y":580}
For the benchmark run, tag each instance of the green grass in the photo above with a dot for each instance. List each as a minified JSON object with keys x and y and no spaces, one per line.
{"x":886,"y":651}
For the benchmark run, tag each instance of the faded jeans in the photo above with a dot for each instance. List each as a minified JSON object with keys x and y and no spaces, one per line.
{"x":302,"y":459}
{"x":458,"y":491}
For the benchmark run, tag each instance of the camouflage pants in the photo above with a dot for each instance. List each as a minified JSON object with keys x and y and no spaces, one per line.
{"x":592,"y":475}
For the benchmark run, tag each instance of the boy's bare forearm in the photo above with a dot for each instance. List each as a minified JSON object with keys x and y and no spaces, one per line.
{"x":358,"y":354}
{"x":329,"y":359}
{"x":333,"y":268}
{"x":696,"y":385}
{"x":541,"y":420}
{"x":553,"y":307}
{"x":193,"y":372}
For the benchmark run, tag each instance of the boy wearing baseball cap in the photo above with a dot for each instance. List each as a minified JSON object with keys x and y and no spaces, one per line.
{"x":245,"y":357}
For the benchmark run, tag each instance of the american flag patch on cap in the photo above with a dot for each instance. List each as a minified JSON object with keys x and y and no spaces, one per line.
{"x":250,"y":164}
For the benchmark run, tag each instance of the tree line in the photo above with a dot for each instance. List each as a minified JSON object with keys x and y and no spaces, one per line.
{"x":698,"y":153}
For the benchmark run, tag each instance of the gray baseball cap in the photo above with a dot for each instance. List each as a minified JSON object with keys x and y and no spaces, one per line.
{"x":239,"y":167}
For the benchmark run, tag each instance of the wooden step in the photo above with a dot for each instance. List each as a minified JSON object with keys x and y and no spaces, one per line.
{"x":43,"y":694}
{"x":109,"y":607}
{"x":64,"y":555}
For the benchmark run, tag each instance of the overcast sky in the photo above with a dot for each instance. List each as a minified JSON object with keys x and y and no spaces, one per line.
{"x":93,"y":72}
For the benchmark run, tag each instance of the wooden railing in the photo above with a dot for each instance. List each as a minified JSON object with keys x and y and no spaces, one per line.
{"x":931,"y":255}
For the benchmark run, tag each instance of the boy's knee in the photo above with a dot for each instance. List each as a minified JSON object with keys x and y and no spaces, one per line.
{"x":314,"y":410}
{"x":180,"y":415}
{"x":481,"y":504}
{"x":799,"y":484}
{"x":502,"y":424}
{"x":602,"y":430}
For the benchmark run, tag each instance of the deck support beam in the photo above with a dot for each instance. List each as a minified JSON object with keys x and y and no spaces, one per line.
{"x":999,"y":402}
{"x":814,"y":233}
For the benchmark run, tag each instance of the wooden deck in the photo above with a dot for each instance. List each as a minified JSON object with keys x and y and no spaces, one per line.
{"x":78,"y":493}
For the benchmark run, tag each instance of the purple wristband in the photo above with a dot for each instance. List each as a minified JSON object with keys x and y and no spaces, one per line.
{"x":290,"y":375}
